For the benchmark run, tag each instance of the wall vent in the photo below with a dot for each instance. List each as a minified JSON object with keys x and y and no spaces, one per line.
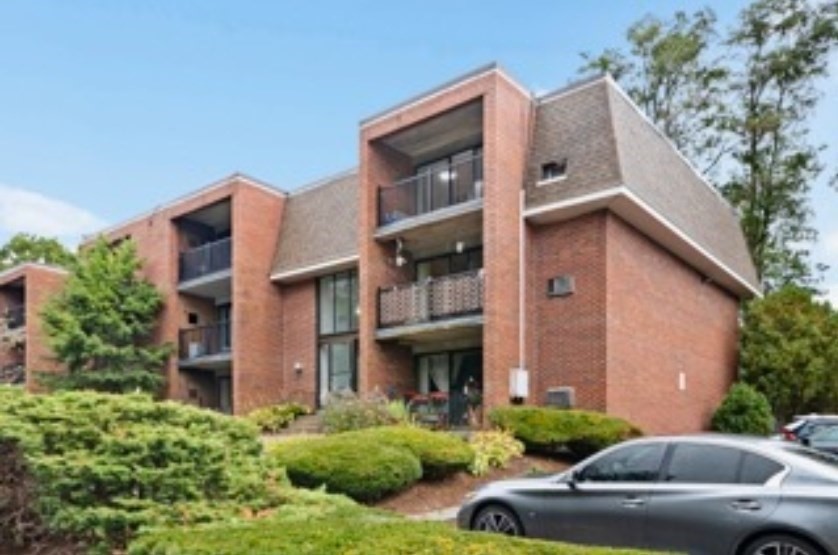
{"x":561,"y":286}
{"x":561,"y":397}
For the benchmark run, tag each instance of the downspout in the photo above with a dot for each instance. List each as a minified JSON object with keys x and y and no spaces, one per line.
{"x":522,"y":320}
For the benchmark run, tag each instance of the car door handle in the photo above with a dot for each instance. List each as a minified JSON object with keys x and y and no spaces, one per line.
{"x":746,"y":505}
{"x":633,"y":502}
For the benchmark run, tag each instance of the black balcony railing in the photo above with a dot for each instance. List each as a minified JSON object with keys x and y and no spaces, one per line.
{"x":434,"y":299}
{"x":15,"y":317}
{"x":204,"y":341}
{"x":445,"y":186}
{"x":206,"y":259}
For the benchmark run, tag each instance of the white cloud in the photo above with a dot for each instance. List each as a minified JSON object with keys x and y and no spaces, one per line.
{"x":831,"y":294}
{"x":830,"y":244}
{"x":26,"y":211}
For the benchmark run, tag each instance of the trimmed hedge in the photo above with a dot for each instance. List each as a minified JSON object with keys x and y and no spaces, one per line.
{"x":368,"y":535}
{"x":274,"y":418}
{"x":357,"y":466}
{"x":441,"y":454}
{"x":575,"y":432}
{"x":93,"y":468}
{"x":744,"y":410}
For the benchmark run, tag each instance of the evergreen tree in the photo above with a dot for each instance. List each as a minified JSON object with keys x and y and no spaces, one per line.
{"x":100,"y":325}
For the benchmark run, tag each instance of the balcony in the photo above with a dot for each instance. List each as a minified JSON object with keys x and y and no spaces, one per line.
{"x":15,"y":317}
{"x":448,"y":190}
{"x":437,"y":304}
{"x":207,"y":346}
{"x":206,"y":259}
{"x":13,"y":374}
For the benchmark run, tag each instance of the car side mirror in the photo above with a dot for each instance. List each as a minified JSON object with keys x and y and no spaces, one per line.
{"x":806,"y":441}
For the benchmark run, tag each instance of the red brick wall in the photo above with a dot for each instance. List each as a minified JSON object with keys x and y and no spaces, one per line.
{"x":381,"y":366}
{"x":41,"y":286}
{"x":506,"y":113}
{"x":299,"y":341}
{"x":663,"y":320}
{"x":257,"y":307}
{"x":567,"y":335}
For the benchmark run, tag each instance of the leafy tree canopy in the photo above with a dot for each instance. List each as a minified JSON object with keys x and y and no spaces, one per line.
{"x":100,"y":325}
{"x":789,"y":352}
{"x":25,"y":247}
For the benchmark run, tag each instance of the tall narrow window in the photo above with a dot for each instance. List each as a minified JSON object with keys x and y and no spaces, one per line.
{"x":337,"y":299}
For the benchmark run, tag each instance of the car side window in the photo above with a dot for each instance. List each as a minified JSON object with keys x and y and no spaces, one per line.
{"x":757,"y":469}
{"x":693,"y":463}
{"x":633,"y":463}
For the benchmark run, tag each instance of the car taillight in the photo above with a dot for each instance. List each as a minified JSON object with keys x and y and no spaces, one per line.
{"x":788,"y":435}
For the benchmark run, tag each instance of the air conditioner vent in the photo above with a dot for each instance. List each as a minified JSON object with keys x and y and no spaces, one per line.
{"x":561,"y":286}
{"x":561,"y":397}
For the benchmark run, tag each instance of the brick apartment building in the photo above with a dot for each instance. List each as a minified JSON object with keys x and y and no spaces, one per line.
{"x":24,"y":292}
{"x":553,"y":248}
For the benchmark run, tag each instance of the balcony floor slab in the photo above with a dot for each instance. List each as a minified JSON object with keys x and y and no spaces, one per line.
{"x":448,"y":329}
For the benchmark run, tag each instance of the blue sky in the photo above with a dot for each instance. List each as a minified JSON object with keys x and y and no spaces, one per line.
{"x":110,"y":108}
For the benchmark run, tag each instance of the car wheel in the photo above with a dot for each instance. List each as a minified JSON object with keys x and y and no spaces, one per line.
{"x":781,"y":545}
{"x":497,"y":519}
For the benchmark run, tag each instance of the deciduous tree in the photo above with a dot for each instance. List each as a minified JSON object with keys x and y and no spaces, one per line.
{"x":789,"y":351}
{"x":25,"y":247}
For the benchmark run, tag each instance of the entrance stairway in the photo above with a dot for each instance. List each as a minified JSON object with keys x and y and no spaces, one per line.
{"x":308,"y":424}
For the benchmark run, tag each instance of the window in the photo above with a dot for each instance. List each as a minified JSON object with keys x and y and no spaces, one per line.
{"x":693,"y":463}
{"x":338,"y":303}
{"x":553,"y":170}
{"x":634,"y":463}
{"x":192,"y":318}
{"x":337,"y":299}
{"x":758,"y":470}
{"x":452,"y":263}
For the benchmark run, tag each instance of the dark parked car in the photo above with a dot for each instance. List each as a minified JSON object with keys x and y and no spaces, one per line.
{"x":708,"y":495}
{"x":806,"y":425}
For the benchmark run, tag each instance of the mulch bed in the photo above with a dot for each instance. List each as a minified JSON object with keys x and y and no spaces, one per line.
{"x":425,"y":497}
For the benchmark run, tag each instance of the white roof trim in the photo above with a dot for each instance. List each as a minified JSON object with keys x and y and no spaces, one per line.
{"x":314,"y":269}
{"x":575,"y":201}
{"x":187,"y":197}
{"x":622,"y":191}
{"x":434,"y":93}
{"x":36,"y":265}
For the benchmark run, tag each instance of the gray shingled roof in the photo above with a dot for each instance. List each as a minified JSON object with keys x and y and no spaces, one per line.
{"x":608,"y":143}
{"x":320,"y":225}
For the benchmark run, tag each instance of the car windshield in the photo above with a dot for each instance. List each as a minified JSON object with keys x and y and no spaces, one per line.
{"x":829,"y":433}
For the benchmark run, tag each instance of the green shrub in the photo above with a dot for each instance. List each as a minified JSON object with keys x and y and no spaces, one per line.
{"x":744,"y":411}
{"x":493,"y":449}
{"x":368,"y":534}
{"x":102,"y":465}
{"x":575,"y":432}
{"x":346,"y":411}
{"x":274,"y":418}
{"x":357,"y":466}
{"x":441,"y":454}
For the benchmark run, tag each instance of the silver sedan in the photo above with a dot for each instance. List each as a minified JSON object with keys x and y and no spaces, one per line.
{"x":710,"y":495}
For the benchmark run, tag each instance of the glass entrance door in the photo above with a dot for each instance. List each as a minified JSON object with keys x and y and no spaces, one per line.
{"x":338,"y":368}
{"x":453,"y":377}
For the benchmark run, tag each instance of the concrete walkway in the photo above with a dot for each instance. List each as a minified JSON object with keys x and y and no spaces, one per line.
{"x":442,"y":515}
